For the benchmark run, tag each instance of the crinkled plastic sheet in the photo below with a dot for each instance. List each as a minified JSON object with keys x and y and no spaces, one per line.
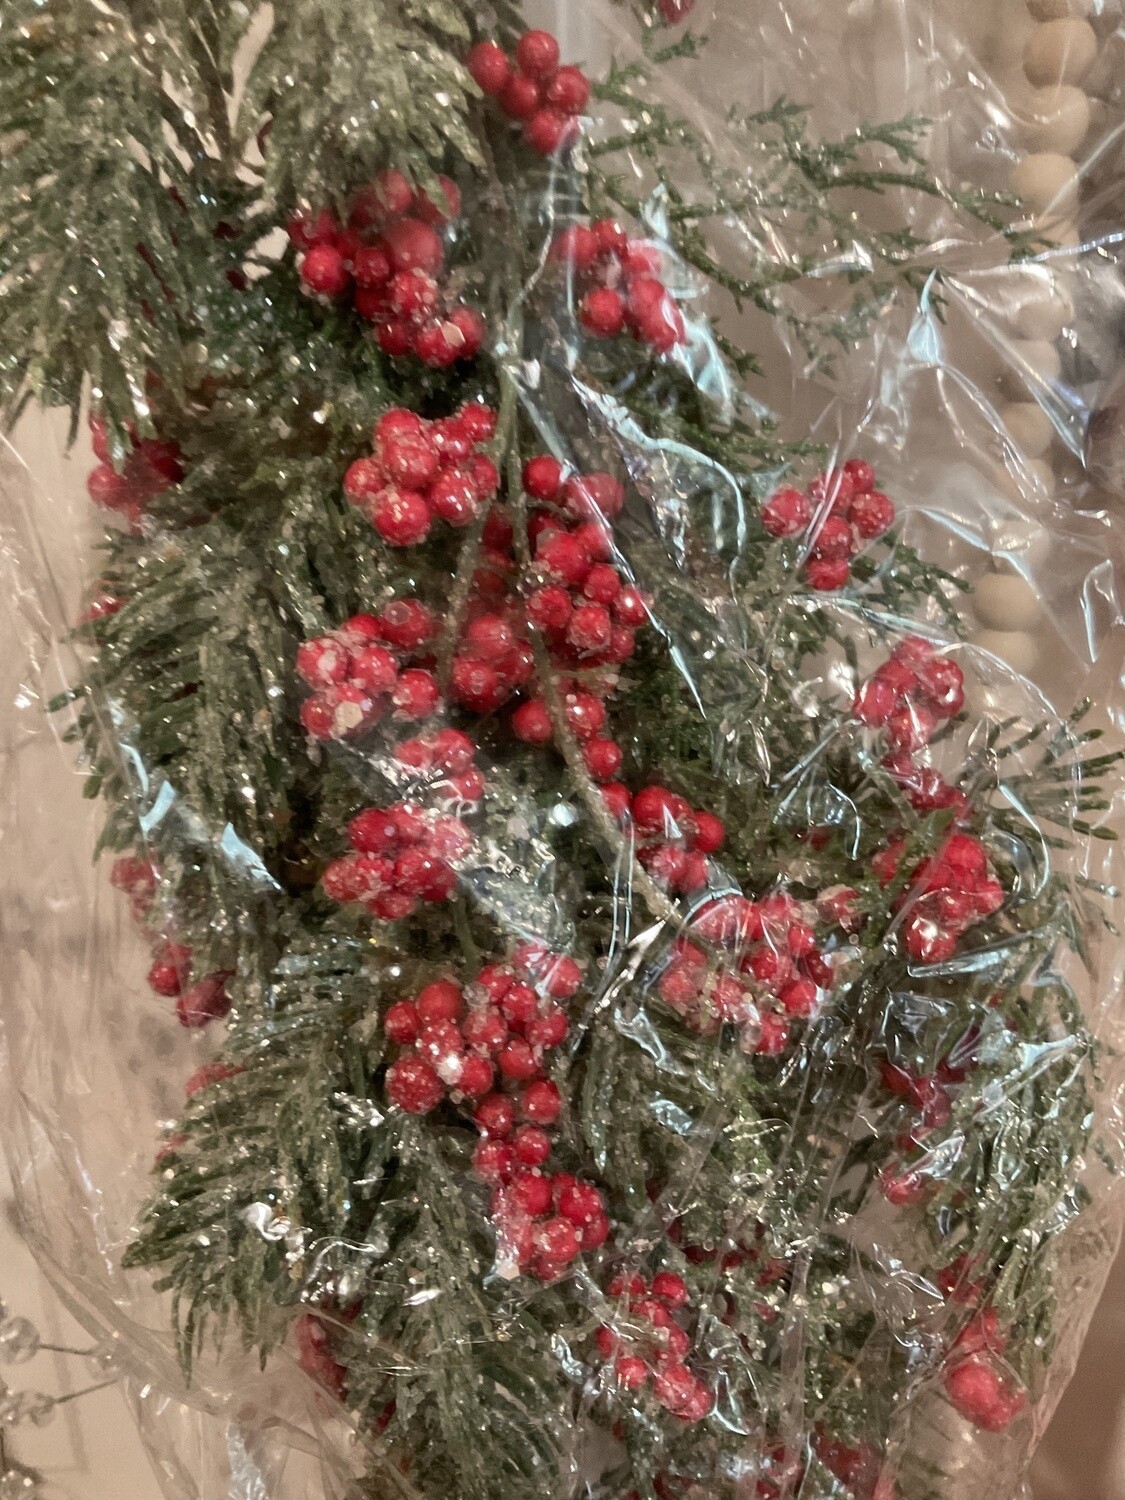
{"x":93,"y":1065}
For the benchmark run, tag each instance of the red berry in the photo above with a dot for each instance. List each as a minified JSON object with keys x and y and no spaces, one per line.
{"x":580,"y":1202}
{"x":412,"y":294}
{"x":401,"y":517}
{"x":630,"y":1372}
{"x":414,"y":246}
{"x":455,"y":498}
{"x":670,"y":1288}
{"x":109,"y":489}
{"x":568,"y":91}
{"x":575,"y":246}
{"x":550,"y":607}
{"x":325,"y":272}
{"x":602,"y":312}
{"x":827,"y":574}
{"x":374,"y":669}
{"x":372,"y":266}
{"x":603,"y":759}
{"x":563,"y":557}
{"x":549,"y":1029}
{"x":530,"y":1192}
{"x":307,"y":230}
{"x":653,"y":811}
{"x":416,"y":694}
{"x":550,"y":131}
{"x":531,"y":722}
{"x":589,"y":629}
{"x":786,"y":513}
{"x":617,"y":799}
{"x":396,"y":337}
{"x":170,"y":970}
{"x":206,"y":1001}
{"x":476,"y":1077}
{"x":662,"y":326}
{"x":401,"y":1023}
{"x":594,"y":498}
{"x":675,"y":11}
{"x":465,"y":330}
{"x":531,"y":1145}
{"x":408,"y":624}
{"x":414,"y":1086}
{"x":364,"y":481}
{"x":496,"y":1116}
{"x":611,"y":237}
{"x":488,"y":63}
{"x":872,"y":515}
{"x":862,"y":476}
{"x":557,"y":1240}
{"x":537,"y":53}
{"x":517,"y":1060}
{"x":440,"y":1001}
{"x":542,"y":477}
{"x":493,"y":1161}
{"x":322,"y":662}
{"x":520,"y":97}
{"x":833,"y":539}
{"x":541,"y":1102}
{"x":979,"y":1393}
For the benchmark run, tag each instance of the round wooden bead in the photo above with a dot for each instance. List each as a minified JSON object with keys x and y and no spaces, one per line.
{"x":1006,"y":601}
{"x":1055,"y":10}
{"x":1016,"y":647}
{"x":1029,"y":427}
{"x":1047,"y":182}
{"x":1058,"y":119}
{"x":1060,"y":51}
{"x":1031,"y":359}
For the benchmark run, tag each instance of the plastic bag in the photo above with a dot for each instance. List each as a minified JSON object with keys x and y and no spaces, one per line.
{"x":640,"y":953}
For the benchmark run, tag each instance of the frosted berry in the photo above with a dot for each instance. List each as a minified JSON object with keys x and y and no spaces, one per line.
{"x":542,"y":477}
{"x":602,"y":312}
{"x":786,"y":513}
{"x":541,"y":1102}
{"x":324,"y":272}
{"x":414,"y":246}
{"x":413,"y":1085}
{"x":401,"y":517}
{"x":537,"y":53}
{"x":204,"y":1002}
{"x":488,"y":63}
{"x":872,"y":515}
{"x":979,"y":1392}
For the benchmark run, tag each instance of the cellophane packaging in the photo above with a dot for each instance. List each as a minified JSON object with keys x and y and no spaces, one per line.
{"x":561,"y":708}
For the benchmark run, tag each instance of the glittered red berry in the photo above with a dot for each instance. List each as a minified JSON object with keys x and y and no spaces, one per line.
{"x":562,"y":556}
{"x":710,"y":833}
{"x":531,"y":722}
{"x":109,"y":489}
{"x":324,"y":272}
{"x":557,"y":1240}
{"x":576,"y":246}
{"x":541,"y":1102}
{"x":401,"y":517}
{"x":495,"y":1115}
{"x":494,"y":1161}
{"x":476,"y":1077}
{"x":470,"y":326}
{"x":537,"y":53}
{"x":602,"y":312}
{"x":520,"y":97}
{"x":204,"y":1002}
{"x":531,"y":1145}
{"x":594,"y":498}
{"x":543,"y":477}
{"x":322,"y":661}
{"x":568,"y":91}
{"x":412,"y":295}
{"x":170,"y":970}
{"x":826,"y":575}
{"x":603,"y":759}
{"x":872,"y":514}
{"x":978,"y":1391}
{"x":402,"y":1023}
{"x":416,"y":694}
{"x":396,"y":337}
{"x":414,"y":246}
{"x":490,"y":68}
{"x":374,"y":669}
{"x":580,"y":1202}
{"x":786,"y":513}
{"x":414,"y":1086}
{"x":455,"y":498}
{"x":408,"y":624}
{"x":364,"y":481}
{"x":372,"y":266}
{"x":861,"y":475}
{"x":550,"y":131}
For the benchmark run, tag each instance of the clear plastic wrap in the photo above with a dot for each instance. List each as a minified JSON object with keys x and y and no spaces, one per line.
{"x":632,"y":904}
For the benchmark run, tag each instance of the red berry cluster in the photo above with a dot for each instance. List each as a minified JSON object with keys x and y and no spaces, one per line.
{"x":620,"y":285}
{"x":944,"y":896}
{"x":365,"y":670}
{"x":910,"y":696}
{"x":402,"y":855}
{"x":674,"y":839}
{"x":197,"y":1004}
{"x":975,"y":1383}
{"x":423,"y":471}
{"x":847,"y":510}
{"x":152,"y":467}
{"x":782,"y":973}
{"x":650,"y":1350}
{"x":544,"y":1221}
{"x":389,"y":259}
{"x":533,"y":90}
